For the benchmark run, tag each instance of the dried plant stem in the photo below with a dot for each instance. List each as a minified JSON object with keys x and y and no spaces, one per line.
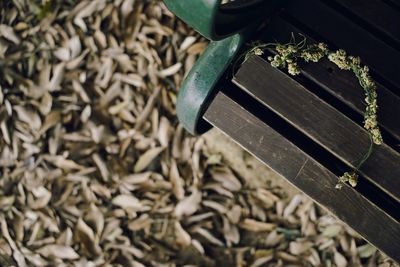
{"x":288,"y":56}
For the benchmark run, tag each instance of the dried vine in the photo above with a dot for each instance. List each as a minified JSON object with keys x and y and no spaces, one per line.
{"x":289,"y":55}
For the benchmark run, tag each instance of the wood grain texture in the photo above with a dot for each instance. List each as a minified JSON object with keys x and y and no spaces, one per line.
{"x":343,"y":85}
{"x":343,"y":33}
{"x":305,"y":173}
{"x":319,"y":121}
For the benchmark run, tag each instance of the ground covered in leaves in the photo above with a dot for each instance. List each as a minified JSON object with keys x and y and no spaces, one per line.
{"x":96,"y":171}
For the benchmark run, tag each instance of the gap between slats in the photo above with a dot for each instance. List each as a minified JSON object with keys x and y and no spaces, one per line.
{"x":315,"y":151}
{"x":252,"y":78}
{"x":388,"y":76}
{"x":372,"y":23}
{"x":282,"y":30}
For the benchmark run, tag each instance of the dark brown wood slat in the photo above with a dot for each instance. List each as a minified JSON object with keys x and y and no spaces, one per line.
{"x":395,"y":4}
{"x":341,"y":84}
{"x":375,"y":15}
{"x":340,"y":31}
{"x":320,"y":122}
{"x":305,"y":173}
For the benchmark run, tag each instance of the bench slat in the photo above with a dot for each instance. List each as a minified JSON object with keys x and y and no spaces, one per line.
{"x":376,"y":15}
{"x":345,"y":34}
{"x":395,"y":4}
{"x":319,"y":121}
{"x":341,"y":84}
{"x":305,"y":173}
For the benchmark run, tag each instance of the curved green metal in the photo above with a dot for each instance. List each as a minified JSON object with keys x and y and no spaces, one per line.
{"x":197,"y":14}
{"x":215,"y":21}
{"x":201,"y":80}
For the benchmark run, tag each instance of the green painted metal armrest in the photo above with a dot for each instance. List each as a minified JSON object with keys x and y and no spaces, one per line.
{"x":216,"y":21}
{"x":234,"y":21}
{"x":201,"y":80}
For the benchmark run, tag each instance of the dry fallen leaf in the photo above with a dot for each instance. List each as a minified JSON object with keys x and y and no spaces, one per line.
{"x":182,"y":237}
{"x":226,"y":178}
{"x":188,"y":205}
{"x":58,"y":252}
{"x":170,"y":70}
{"x":87,"y":238}
{"x":145,"y":159}
{"x":177,"y":181}
{"x":28,"y":116}
{"x":8,"y":33}
{"x":127,"y":201}
{"x":256,"y":226}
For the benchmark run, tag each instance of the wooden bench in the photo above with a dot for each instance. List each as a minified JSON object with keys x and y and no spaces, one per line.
{"x":308,"y":128}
